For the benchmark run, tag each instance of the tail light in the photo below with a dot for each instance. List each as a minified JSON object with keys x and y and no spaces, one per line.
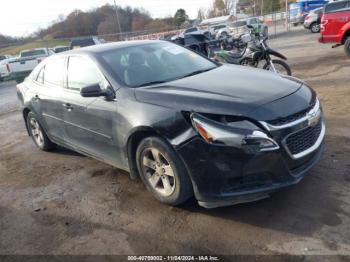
{"x":8,"y":68}
{"x":299,"y":14}
{"x":307,"y":17}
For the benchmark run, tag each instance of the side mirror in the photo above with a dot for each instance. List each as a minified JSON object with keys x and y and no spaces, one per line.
{"x":95,"y":91}
{"x":250,"y":26}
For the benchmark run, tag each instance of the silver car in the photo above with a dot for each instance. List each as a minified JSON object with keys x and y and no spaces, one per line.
{"x":313,"y":19}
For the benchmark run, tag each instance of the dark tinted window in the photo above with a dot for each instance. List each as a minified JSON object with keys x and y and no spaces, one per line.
{"x":2,"y":57}
{"x":336,"y":6}
{"x":239,"y":23}
{"x":54,"y":72}
{"x":33,"y":53}
{"x":191,"y":30}
{"x":82,"y":72}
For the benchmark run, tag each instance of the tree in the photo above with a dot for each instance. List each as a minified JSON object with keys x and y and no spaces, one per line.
{"x":180,"y":17}
{"x":230,"y":6}
{"x":201,"y":14}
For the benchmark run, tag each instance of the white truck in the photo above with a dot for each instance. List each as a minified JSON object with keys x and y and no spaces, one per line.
{"x":27,"y":60}
{"x":4,"y":69}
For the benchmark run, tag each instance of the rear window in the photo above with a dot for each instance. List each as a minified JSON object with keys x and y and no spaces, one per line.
{"x":239,"y":23}
{"x":336,"y":6}
{"x":33,"y":53}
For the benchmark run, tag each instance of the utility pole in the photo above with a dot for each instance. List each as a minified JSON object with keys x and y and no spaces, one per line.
{"x":117,"y":17}
{"x":287,"y":15}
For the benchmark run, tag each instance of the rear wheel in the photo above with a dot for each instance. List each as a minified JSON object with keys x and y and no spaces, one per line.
{"x":38,"y":134}
{"x":315,"y":28}
{"x":163,"y":172}
{"x":347,"y":47}
{"x":280,"y":66}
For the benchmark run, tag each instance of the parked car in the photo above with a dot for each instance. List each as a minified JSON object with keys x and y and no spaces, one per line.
{"x":4,"y":69}
{"x":60,"y":48}
{"x":83,"y":42}
{"x":301,"y":8}
{"x":183,"y":123}
{"x":214,"y":29}
{"x":240,"y":26}
{"x":313,"y":20}
{"x":335,"y":25}
{"x":27,"y":60}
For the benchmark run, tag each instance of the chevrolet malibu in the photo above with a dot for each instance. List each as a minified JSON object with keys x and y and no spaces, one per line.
{"x":182,"y":123}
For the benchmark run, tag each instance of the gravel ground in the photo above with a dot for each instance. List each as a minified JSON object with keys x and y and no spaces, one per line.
{"x":64,"y":203}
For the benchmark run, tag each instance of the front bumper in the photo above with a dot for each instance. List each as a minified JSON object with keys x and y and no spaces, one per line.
{"x":224,"y":175}
{"x":307,"y":24}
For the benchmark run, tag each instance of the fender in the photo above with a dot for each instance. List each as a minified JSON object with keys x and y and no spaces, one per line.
{"x":346,"y":32}
{"x":275,"y":53}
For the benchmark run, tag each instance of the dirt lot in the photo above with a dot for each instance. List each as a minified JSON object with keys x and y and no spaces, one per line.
{"x":65,"y":203}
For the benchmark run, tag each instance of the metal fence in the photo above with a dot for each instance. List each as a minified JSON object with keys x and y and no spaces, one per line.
{"x":276,"y":23}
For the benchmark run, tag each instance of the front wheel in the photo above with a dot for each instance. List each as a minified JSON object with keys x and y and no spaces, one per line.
{"x":163,"y":172}
{"x":347,"y":47}
{"x":280,"y":66}
{"x":315,"y":28}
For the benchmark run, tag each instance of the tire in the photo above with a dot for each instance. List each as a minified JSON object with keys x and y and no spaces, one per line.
{"x":163,"y":172}
{"x":295,"y":24}
{"x":38,"y":134}
{"x":347,"y":46}
{"x":223,"y":35}
{"x":284,"y":65}
{"x":315,"y":28}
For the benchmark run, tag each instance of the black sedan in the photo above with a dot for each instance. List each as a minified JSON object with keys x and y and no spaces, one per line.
{"x":182,"y":123}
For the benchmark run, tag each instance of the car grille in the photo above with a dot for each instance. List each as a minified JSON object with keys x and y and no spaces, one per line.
{"x":285,"y":120}
{"x":303,"y":139}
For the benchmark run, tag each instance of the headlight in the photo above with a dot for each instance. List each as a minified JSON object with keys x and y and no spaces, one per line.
{"x":240,"y":134}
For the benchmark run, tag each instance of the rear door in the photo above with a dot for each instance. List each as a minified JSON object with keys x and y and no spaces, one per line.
{"x":89,"y":121}
{"x":48,"y":87}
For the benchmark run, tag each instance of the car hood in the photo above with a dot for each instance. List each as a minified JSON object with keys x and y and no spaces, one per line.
{"x":228,"y":89}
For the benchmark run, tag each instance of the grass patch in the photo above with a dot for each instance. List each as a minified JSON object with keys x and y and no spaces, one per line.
{"x":16,"y":49}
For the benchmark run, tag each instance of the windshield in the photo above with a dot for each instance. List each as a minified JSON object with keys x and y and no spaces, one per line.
{"x":154,"y":63}
{"x":33,"y":53}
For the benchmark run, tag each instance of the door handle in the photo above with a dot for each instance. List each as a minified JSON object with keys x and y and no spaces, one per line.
{"x":68,"y":106}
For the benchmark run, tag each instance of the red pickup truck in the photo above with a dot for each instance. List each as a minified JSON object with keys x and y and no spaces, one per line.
{"x":335,"y":24}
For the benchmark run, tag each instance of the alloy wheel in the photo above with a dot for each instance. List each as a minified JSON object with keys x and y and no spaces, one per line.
{"x":315,"y":28}
{"x":37,"y":132}
{"x":158,"y":172}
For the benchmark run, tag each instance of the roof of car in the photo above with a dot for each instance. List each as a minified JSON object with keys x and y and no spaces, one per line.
{"x":114,"y":45}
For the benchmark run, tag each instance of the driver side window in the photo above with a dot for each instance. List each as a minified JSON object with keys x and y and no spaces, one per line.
{"x":81,"y":73}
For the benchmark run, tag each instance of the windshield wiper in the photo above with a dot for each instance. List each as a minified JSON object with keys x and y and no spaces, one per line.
{"x":151,"y":83}
{"x":198,"y":72}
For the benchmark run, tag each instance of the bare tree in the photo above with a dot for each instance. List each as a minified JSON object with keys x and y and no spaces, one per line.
{"x":230,"y":6}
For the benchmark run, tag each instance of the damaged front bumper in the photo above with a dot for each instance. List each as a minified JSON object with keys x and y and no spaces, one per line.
{"x":227,"y":176}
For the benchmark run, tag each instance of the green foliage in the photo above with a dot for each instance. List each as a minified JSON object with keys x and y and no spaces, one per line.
{"x":180,"y":17}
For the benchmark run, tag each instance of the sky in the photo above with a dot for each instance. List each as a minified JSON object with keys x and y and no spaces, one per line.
{"x":23,"y":17}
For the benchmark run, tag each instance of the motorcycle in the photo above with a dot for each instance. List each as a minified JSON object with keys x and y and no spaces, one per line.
{"x":249,"y":50}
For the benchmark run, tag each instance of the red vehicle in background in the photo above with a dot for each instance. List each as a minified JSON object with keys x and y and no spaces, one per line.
{"x":335,"y":25}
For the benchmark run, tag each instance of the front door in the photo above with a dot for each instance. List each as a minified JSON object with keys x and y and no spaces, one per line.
{"x":89,"y":121}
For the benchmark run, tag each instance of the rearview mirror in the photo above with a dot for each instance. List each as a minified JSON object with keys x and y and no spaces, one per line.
{"x":95,"y":91}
